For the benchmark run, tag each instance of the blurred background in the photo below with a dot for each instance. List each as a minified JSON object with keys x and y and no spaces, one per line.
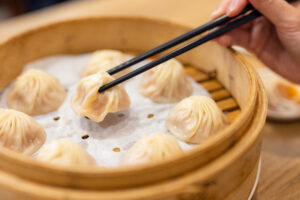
{"x":11,"y":8}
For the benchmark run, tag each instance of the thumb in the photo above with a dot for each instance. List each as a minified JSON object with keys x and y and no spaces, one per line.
{"x":279,"y":12}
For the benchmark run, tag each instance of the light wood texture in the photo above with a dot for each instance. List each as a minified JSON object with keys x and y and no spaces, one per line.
{"x":90,"y":34}
{"x":196,"y":74}
{"x":227,"y":104}
{"x":212,"y":85}
{"x":280,"y":152}
{"x":200,"y":184}
{"x":220,"y":94}
{"x":280,"y":177}
{"x":233,"y":115}
{"x":176,"y":11}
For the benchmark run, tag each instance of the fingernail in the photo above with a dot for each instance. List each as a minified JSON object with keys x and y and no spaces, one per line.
{"x":213,"y":15}
{"x":216,"y":12}
{"x":231,"y":7}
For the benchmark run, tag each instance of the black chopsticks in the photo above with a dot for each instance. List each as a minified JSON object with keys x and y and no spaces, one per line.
{"x":182,"y":38}
{"x":247,"y":15}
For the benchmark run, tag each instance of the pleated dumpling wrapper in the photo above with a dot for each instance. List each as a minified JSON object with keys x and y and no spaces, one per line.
{"x":94,"y":105}
{"x":65,"y":153}
{"x":104,"y":60}
{"x":195,"y":118}
{"x":166,"y":83}
{"x":152,"y":148}
{"x":20,"y":132}
{"x":35,"y":92}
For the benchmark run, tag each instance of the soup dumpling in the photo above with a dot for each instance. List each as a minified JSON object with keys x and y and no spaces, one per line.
{"x":283,"y":96}
{"x":66,"y":153}
{"x":104,"y":60}
{"x":35,"y":92}
{"x":166,"y":83}
{"x":195,"y":118}
{"x":288,"y":90}
{"x":89,"y":102}
{"x":151,"y":148}
{"x":20,"y":132}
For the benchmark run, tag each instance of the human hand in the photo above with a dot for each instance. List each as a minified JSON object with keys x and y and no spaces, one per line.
{"x":274,"y":38}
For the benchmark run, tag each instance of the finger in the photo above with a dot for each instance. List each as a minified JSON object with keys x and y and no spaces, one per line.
{"x":279,"y":12}
{"x":238,"y":37}
{"x":260,"y":35}
{"x":235,"y":7}
{"x":221,"y":10}
{"x":241,"y":37}
{"x":247,"y":26}
{"x":225,"y":40}
{"x":279,"y":60}
{"x":254,"y":38}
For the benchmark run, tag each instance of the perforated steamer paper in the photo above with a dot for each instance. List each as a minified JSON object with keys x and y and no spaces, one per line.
{"x":108,"y":140}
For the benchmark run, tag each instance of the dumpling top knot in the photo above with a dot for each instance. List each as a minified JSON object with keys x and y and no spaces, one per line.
{"x":166,"y":83}
{"x":152,"y":148}
{"x":65,"y":153}
{"x":104,"y":60}
{"x":36,"y":92}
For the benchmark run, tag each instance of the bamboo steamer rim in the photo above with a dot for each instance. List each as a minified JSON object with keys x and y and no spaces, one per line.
{"x":176,"y":186}
{"x":219,"y":138}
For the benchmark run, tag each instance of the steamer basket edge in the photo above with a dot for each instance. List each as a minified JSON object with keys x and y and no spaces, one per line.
{"x":194,"y":185}
{"x":30,"y":41}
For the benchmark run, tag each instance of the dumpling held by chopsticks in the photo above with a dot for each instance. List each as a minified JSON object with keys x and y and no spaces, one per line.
{"x":94,"y":105}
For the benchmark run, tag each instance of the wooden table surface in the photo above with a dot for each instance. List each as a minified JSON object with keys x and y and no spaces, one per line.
{"x":280,"y":174}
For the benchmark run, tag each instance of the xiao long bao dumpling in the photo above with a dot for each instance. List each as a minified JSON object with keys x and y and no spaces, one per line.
{"x":65,"y":153}
{"x":283,"y":95}
{"x":195,"y":118}
{"x":104,"y":60}
{"x":19,"y":132}
{"x":166,"y":83}
{"x":151,"y":148}
{"x":94,"y":105}
{"x":36,"y":92}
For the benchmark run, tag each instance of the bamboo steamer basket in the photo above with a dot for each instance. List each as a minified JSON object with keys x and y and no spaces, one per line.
{"x":223,"y":166}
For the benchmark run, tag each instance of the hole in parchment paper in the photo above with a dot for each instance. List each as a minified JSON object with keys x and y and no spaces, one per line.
{"x":150,"y":115}
{"x":121,"y":115}
{"x":84,"y":137}
{"x":116,"y":149}
{"x":56,"y":118}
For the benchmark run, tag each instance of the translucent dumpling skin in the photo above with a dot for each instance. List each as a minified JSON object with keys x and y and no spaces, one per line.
{"x":151,"y":148}
{"x":166,"y":83}
{"x":288,"y":90}
{"x":283,"y":96}
{"x":104,"y":60}
{"x":19,"y":132}
{"x":195,"y":118}
{"x":36,"y":92}
{"x":65,"y":153}
{"x":89,"y":102}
